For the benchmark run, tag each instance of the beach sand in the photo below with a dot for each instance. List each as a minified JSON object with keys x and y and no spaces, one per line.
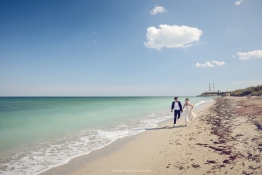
{"x":226,"y":138}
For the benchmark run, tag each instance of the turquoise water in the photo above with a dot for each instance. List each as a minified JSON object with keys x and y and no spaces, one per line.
{"x":38,"y":133}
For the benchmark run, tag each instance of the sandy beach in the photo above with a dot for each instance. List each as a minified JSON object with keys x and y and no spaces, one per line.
{"x":226,"y":138}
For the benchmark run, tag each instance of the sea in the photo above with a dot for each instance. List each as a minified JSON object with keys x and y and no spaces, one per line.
{"x":38,"y":133}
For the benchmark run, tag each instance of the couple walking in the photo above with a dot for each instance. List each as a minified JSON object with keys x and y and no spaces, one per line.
{"x":187,"y":109}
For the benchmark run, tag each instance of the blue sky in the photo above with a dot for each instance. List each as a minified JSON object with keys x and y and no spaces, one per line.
{"x":128,"y":47}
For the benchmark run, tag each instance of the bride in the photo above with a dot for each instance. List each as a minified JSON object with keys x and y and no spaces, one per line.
{"x":187,"y":109}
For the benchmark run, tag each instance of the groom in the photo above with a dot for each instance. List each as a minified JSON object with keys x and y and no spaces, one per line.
{"x":176,"y":105}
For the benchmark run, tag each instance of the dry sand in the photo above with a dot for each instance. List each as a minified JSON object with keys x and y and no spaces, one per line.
{"x":225,"y":139}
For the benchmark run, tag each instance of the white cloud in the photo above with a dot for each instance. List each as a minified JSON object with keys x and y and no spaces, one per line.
{"x":171,"y":36}
{"x":233,"y":56}
{"x":239,"y":2}
{"x":249,"y":55}
{"x":206,"y":64}
{"x":158,"y":9}
{"x":211,"y":64}
{"x":217,"y":63}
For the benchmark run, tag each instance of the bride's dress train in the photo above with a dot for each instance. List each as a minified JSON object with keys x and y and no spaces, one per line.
{"x":193,"y":115}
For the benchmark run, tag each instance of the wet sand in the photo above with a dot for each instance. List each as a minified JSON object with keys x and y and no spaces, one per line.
{"x":226,"y":138}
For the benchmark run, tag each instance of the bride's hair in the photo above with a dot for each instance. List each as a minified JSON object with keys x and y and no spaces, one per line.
{"x":187,"y":99}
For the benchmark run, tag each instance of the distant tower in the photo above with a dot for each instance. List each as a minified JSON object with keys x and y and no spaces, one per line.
{"x":209,"y":87}
{"x":213,"y":87}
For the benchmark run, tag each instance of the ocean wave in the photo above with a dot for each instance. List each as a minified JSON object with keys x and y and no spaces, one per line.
{"x":40,"y":157}
{"x":43,"y":156}
{"x":199,"y":103}
{"x":202,"y":102}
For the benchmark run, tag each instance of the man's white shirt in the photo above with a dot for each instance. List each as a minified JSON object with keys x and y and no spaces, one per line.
{"x":176,"y":106}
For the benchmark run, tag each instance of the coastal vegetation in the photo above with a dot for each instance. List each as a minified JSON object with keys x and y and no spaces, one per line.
{"x":253,"y":91}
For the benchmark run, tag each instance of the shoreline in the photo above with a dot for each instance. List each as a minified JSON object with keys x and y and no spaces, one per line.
{"x":225,"y":139}
{"x":78,"y":162}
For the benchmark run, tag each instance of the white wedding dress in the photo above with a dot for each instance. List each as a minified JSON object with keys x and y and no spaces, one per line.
{"x":188,"y":113}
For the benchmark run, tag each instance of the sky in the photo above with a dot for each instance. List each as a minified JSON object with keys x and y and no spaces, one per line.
{"x":128,"y":47}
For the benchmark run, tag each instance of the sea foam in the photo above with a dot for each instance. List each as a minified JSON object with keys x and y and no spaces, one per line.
{"x":43,"y":156}
{"x":40,"y":157}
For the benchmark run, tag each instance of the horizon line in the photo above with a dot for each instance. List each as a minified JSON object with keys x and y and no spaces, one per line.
{"x":110,"y":96}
